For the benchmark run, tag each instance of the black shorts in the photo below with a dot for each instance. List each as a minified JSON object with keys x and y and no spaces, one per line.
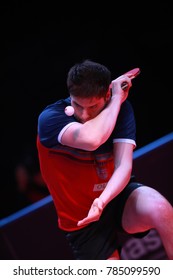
{"x":100,"y":239}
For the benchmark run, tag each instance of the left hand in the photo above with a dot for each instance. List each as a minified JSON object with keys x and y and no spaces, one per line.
{"x":94,"y":213}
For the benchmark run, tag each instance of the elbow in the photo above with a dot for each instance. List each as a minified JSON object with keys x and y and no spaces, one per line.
{"x":92,"y":147}
{"x":93,"y":144}
{"x":129,"y":172}
{"x":128,"y":167}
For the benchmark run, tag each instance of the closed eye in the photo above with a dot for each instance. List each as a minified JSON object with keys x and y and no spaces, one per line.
{"x":93,"y":107}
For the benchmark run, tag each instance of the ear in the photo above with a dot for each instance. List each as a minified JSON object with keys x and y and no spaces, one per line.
{"x":108,"y":94}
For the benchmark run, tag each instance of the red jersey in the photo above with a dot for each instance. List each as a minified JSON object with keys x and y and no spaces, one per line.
{"x":73,"y":182}
{"x":76,"y":177}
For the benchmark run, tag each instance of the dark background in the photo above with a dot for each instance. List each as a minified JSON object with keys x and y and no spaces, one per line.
{"x":41,"y":41}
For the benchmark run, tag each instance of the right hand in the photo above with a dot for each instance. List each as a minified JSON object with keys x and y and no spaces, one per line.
{"x":116,"y":87}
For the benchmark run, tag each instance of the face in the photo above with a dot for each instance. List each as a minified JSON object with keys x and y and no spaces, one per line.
{"x":88,"y":108}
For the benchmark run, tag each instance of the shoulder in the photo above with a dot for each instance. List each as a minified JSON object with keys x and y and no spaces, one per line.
{"x":126,"y":111}
{"x":127,"y":105}
{"x":53,"y":112}
{"x":51,"y":121}
{"x":126,"y":124}
{"x":55,"y":108}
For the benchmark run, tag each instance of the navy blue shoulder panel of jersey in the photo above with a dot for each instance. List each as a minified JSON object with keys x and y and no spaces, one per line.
{"x":52,"y":120}
{"x":126,"y":123}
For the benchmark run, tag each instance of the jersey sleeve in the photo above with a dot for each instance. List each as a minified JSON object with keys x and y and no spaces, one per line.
{"x":125,"y":129}
{"x":51,"y":122}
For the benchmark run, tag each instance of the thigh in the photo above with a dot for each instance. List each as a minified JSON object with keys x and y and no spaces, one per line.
{"x":140,"y":209}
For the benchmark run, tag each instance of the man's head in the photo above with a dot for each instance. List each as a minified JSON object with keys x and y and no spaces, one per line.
{"x":88,"y":85}
{"x":88,"y":79}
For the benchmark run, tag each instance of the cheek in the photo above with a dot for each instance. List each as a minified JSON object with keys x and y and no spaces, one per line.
{"x":77,"y":110}
{"x":98,"y":110}
{"x":94,"y":113}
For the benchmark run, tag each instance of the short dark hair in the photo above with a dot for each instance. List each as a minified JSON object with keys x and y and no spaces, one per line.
{"x":88,"y":79}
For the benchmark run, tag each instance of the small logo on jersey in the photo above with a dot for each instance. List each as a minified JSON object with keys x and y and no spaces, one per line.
{"x":101,"y":172}
{"x":99,"y":187}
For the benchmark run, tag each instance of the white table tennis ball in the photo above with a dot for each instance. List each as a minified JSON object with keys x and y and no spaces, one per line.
{"x":69,"y":110}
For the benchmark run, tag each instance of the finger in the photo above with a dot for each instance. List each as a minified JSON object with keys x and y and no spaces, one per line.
{"x":82,"y":222}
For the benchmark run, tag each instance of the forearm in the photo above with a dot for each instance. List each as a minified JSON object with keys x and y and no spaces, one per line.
{"x":101,"y":127}
{"x":116,"y":184}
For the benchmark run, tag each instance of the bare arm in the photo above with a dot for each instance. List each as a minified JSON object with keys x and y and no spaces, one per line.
{"x":93,"y":133}
{"x":123,"y":154}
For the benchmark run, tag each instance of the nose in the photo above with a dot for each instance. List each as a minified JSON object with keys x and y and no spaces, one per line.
{"x":85,"y":115}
